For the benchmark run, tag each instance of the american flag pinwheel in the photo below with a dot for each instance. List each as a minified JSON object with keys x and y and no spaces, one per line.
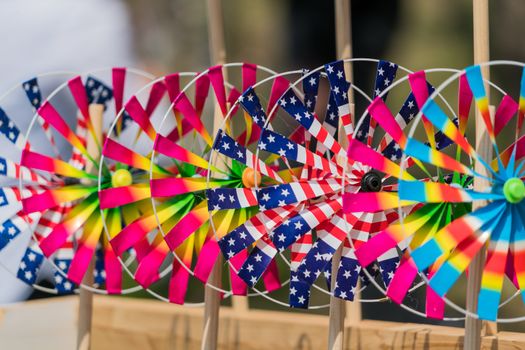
{"x":69,"y":229}
{"x":305,"y":214}
{"x":442,"y":232}
{"x":182,"y":146}
{"x":18,"y":107}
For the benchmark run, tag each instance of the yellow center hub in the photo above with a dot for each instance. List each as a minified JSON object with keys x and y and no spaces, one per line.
{"x":121,"y":177}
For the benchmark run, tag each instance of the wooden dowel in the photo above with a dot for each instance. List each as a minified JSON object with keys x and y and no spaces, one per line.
{"x":343,"y":31}
{"x":337,"y":306}
{"x":216,"y":32}
{"x":336,"y":325}
{"x":85,"y":306}
{"x":212,"y":298}
{"x":483,"y":148}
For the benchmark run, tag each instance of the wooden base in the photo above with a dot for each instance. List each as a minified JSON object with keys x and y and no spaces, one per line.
{"x":126,"y":323}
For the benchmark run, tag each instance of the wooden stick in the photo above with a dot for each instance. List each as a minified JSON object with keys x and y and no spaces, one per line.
{"x":344,"y":50}
{"x":212,"y":298}
{"x":216,"y":32}
{"x":484,"y":149}
{"x":85,"y":306}
{"x":336,"y":324}
{"x":343,"y":32}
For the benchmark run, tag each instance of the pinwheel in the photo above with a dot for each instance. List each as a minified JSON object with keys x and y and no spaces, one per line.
{"x":312,"y":201}
{"x":443,"y":234}
{"x":70,"y":225}
{"x":19,"y":104}
{"x":127,"y":152}
{"x":180,"y":211}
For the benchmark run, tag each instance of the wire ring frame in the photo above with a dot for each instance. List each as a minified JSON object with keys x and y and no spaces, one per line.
{"x":5,"y":95}
{"x":138,"y":73}
{"x":186,"y":87}
{"x":401,"y":214}
{"x":364,"y":95}
{"x":437,"y":92}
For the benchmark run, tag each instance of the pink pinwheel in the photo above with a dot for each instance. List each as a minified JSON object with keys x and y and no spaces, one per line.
{"x":178,"y":190}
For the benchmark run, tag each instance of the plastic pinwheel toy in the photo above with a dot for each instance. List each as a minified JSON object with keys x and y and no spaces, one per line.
{"x":305,"y":214}
{"x":127,"y":151}
{"x":133,"y":155}
{"x":179,"y":168}
{"x":20,"y":103}
{"x":442,"y":233}
{"x":70,"y":223}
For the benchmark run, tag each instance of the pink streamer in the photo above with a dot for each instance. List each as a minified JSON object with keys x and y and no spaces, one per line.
{"x":271,"y":277}
{"x":118,"y":76}
{"x":139,"y":115}
{"x":178,"y":283}
{"x":158,"y":90}
{"x":375,"y":247}
{"x":147,"y":271}
{"x":380,"y":112}
{"x":80,"y":263}
{"x":239,"y":287}
{"x":77,"y":89}
{"x":279,"y":87}
{"x":217,"y":82}
{"x":435,"y":305}
{"x":400,"y":284}
{"x":113,"y":272}
{"x":207,"y":258}
{"x":506,"y":110}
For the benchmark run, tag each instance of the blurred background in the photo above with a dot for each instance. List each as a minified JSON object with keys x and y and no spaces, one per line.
{"x":165,"y":36}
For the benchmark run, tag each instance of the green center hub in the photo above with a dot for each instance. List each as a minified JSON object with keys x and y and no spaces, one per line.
{"x":514,"y":190}
{"x":121,"y":177}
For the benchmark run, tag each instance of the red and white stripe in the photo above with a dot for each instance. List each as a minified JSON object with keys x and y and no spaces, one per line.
{"x":348,"y":126}
{"x":48,"y":221}
{"x":262,"y":167}
{"x":304,"y":190}
{"x":333,"y":232}
{"x":317,"y":161}
{"x":262,"y":223}
{"x":266,"y":246}
{"x":320,"y":212}
{"x":247,"y":196}
{"x":323,"y":136}
{"x":14,"y":195}
{"x":16,"y":171}
{"x":299,"y":249}
{"x":49,"y":134}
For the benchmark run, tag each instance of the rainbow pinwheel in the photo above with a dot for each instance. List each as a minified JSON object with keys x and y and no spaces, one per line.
{"x":306,"y":214}
{"x":70,"y":227}
{"x":132,"y":154}
{"x":443,"y":234}
{"x":127,"y":153}
{"x":178,"y":191}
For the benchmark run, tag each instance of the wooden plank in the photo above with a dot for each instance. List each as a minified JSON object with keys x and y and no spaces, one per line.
{"x":127,"y":323}
{"x":49,"y":324}
{"x":483,"y":148}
